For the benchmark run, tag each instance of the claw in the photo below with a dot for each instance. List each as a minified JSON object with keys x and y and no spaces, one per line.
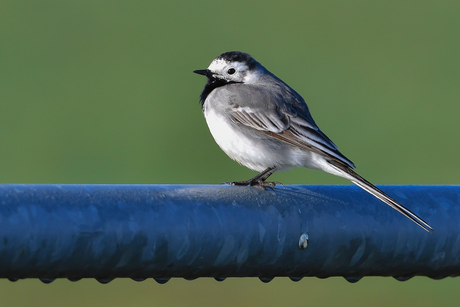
{"x":266,"y":185}
{"x":257,"y":184}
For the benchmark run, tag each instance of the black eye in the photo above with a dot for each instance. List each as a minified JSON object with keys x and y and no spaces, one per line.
{"x":231,"y":71}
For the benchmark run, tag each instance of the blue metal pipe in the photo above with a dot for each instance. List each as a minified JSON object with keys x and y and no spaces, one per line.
{"x":163,"y":231}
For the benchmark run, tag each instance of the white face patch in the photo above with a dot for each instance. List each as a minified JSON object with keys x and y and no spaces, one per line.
{"x":220,"y":67}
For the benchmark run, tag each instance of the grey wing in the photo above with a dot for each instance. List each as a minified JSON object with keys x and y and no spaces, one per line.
{"x":289,"y":122}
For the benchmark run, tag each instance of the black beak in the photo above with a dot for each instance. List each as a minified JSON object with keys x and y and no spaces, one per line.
{"x":204,"y":72}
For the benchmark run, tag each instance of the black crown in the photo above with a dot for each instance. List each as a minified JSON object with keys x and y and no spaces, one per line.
{"x":238,"y":56}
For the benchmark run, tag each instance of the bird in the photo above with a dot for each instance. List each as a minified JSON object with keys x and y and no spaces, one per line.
{"x":263,"y":124}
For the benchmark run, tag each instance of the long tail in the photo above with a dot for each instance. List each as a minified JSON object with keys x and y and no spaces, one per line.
{"x":372,"y":189}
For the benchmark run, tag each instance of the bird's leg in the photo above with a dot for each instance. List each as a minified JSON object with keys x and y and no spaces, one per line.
{"x":258,"y":180}
{"x":261,"y":183}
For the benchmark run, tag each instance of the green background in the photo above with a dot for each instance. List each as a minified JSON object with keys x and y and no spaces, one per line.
{"x":103,"y":92}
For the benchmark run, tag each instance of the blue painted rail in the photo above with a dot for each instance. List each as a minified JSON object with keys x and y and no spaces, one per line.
{"x":190,"y":231}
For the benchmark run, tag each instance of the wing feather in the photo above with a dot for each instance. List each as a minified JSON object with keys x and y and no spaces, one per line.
{"x":291,"y":127}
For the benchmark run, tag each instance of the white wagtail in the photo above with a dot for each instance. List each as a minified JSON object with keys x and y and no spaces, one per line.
{"x":263,"y":124}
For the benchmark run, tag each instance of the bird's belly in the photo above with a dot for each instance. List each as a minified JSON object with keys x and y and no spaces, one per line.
{"x":251,"y":148}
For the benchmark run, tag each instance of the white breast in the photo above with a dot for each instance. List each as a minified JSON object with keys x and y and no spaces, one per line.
{"x":235,"y":144}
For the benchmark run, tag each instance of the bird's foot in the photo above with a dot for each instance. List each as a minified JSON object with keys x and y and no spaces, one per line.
{"x":266,"y":185}
{"x":258,"y":181}
{"x":239,"y":183}
{"x":257,"y":184}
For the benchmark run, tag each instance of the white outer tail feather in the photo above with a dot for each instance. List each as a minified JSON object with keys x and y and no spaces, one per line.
{"x":394,"y":204}
{"x":370,"y":188}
